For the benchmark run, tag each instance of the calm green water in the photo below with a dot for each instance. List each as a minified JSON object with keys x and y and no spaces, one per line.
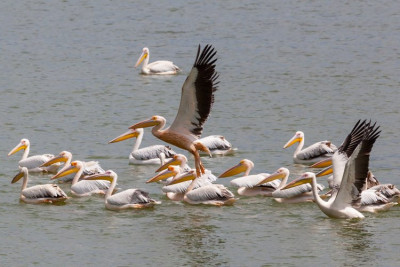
{"x":67,"y":82}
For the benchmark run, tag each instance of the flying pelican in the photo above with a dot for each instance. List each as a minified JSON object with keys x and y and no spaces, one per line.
{"x":248,"y":185}
{"x":157,"y":67}
{"x":207,"y":193}
{"x":33,"y":163}
{"x":46,"y":193}
{"x":347,"y":195}
{"x":90,"y":167}
{"x":82,"y":188}
{"x":155,"y":154}
{"x":311,"y":154}
{"x":197,"y":98}
{"x":217,"y":144}
{"x":127,"y":199}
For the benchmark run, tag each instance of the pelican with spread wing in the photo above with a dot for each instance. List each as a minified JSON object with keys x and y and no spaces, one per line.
{"x":161,"y":67}
{"x":197,"y":98}
{"x":44,"y":193}
{"x":311,"y":154}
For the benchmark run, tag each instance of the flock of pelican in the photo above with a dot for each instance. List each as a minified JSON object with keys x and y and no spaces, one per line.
{"x":352,"y":187}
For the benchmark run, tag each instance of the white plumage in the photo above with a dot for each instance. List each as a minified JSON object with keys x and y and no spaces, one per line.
{"x":217,"y":144}
{"x":161,"y":67}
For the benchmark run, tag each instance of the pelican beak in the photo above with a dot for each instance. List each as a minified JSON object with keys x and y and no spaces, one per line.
{"x":143,"y":124}
{"x":54,"y":160}
{"x":292,"y":141}
{"x":17,"y":148}
{"x":129,"y":134}
{"x":297,"y":182}
{"x":326,"y":171}
{"x":65,"y":172}
{"x":17,"y":177}
{"x":239,"y":168}
{"x":142,"y":56}
{"x":101,"y":176}
{"x":170,"y":162}
{"x":272,"y":177}
{"x":191,"y":175}
{"x":322,"y":164}
{"x":162,"y":175}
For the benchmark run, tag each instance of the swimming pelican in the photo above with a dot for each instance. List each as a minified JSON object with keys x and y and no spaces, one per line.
{"x":45,"y":193}
{"x":82,"y":188}
{"x":90,"y":167}
{"x":157,"y":67}
{"x":207,"y":193}
{"x":127,"y":199}
{"x":341,"y":203}
{"x":248,"y":185}
{"x":217,"y":144}
{"x":197,"y":98}
{"x":311,"y":154}
{"x":33,"y":163}
{"x":178,"y":159}
{"x":155,"y":154}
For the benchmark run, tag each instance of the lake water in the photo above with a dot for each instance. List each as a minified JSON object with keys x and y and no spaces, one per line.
{"x":67,"y":82}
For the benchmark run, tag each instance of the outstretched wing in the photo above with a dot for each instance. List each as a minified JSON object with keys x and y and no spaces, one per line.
{"x":197,"y":95}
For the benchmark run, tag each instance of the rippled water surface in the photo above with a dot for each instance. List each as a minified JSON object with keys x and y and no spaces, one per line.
{"x":67,"y":82}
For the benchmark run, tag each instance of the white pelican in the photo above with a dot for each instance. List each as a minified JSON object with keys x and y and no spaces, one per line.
{"x":127,"y":199}
{"x":379,"y":198}
{"x":82,"y":188}
{"x":311,"y":154}
{"x":33,"y":163}
{"x":347,"y":195}
{"x":155,"y":154}
{"x":248,"y":185}
{"x":157,"y":67}
{"x":45,"y":193}
{"x":197,"y":98}
{"x":217,"y":144}
{"x":90,"y":167}
{"x":207,"y":193}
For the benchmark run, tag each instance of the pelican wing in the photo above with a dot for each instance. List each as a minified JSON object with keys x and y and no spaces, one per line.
{"x":43,"y":191}
{"x":92,"y":167}
{"x":35,"y":161}
{"x":210,"y":192}
{"x":323,"y":148}
{"x":206,"y":179}
{"x":388,"y":190}
{"x":130,"y":196}
{"x":214,"y":142}
{"x":197,"y":94}
{"x":153,"y":152}
{"x":87,"y":186}
{"x":251,"y":181}
{"x":372,"y":197}
{"x":356,"y":169}
{"x":162,"y":66}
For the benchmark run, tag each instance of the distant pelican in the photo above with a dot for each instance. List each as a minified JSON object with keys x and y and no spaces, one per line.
{"x":311,"y":154}
{"x":82,"y":188}
{"x":46,"y":193}
{"x":128,"y":199}
{"x":90,"y":167}
{"x":197,"y":98}
{"x":157,"y":67}
{"x":248,"y":185}
{"x":33,"y":163}
{"x":353,"y":158}
{"x":155,"y":154}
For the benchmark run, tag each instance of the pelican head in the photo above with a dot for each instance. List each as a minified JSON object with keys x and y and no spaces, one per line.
{"x":323,"y":163}
{"x":305,"y":178}
{"x":64,"y":156}
{"x":279,"y":174}
{"x":177,"y":159}
{"x":109,"y":175}
{"x":169,"y":172}
{"x":75,"y":167}
{"x":22,"y":173}
{"x":129,"y":134}
{"x":23,"y":144}
{"x":298,"y":137}
{"x":145,"y":54}
{"x":245,"y":165}
{"x":153,"y":121}
{"x":187,"y":176}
